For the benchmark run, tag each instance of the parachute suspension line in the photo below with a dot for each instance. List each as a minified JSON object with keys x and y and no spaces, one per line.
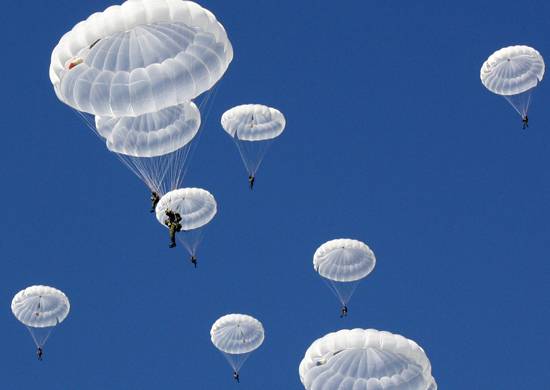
{"x":180,"y":170}
{"x":40,"y":335}
{"x":342,"y":290}
{"x":520,"y":102}
{"x":166,"y":173}
{"x":236,"y":361}
{"x":252,"y":153}
{"x":148,"y":169}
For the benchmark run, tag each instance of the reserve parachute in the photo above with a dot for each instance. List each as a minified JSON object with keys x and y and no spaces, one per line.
{"x":253,"y":128}
{"x":236,"y":336}
{"x":366,"y":359}
{"x":40,"y":309}
{"x":196,"y":208}
{"x":154,"y":146}
{"x":514,"y":72}
{"x":343,"y":263}
{"x":136,"y":67}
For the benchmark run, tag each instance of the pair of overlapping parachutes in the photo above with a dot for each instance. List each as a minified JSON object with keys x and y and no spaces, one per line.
{"x":137,"y":68}
{"x":514,"y":72}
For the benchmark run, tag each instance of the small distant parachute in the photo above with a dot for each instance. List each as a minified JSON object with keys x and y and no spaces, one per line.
{"x":513,"y":72}
{"x":40,"y":309}
{"x":253,"y":127}
{"x":237,"y":336}
{"x":197,"y":207}
{"x":343,"y":263}
{"x":366,"y":359}
{"x":154,"y":146}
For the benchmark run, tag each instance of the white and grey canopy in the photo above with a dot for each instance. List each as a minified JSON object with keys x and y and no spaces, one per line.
{"x":153,"y":134}
{"x":196,"y":207}
{"x":253,"y":127}
{"x":40,"y":306}
{"x":366,"y":359}
{"x":236,"y":336}
{"x":140,"y":57}
{"x":40,"y":309}
{"x":513,"y":72}
{"x":253,"y":122}
{"x":344,"y":260}
{"x":343,"y":263}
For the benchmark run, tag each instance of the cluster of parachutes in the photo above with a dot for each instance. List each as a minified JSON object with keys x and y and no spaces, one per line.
{"x":347,"y":359}
{"x":137,"y":69}
{"x":514,"y":72}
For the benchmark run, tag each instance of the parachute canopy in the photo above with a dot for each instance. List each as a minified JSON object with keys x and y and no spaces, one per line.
{"x":344,"y":260}
{"x":253,"y":122}
{"x":512,"y":70}
{"x":366,"y":359}
{"x":151,"y":135}
{"x":343,"y":263}
{"x":155,"y":146}
{"x":236,"y":336}
{"x":196,"y":207}
{"x":40,"y":306}
{"x":253,"y":128}
{"x":140,"y":57}
{"x":237,"y":333}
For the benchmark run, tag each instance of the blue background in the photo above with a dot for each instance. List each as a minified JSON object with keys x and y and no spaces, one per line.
{"x":390,"y":138}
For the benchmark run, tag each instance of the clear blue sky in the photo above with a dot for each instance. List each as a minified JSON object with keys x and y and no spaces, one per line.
{"x":390,"y":139}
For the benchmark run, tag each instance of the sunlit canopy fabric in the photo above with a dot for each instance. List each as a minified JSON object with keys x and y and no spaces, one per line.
{"x":151,"y":135}
{"x":196,"y":207}
{"x":237,"y":334}
{"x":40,"y":306}
{"x":512,"y":70}
{"x":344,"y":260}
{"x":253,"y":122}
{"x":140,"y":57}
{"x":368,"y":359}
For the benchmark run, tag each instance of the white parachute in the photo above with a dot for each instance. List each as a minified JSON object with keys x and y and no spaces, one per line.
{"x":513,"y":72}
{"x":40,"y":309}
{"x":366,"y":359}
{"x":196,"y":207}
{"x":343,"y":263}
{"x":140,"y":57}
{"x":136,"y":67}
{"x":237,"y":336}
{"x":154,"y":146}
{"x":253,"y":128}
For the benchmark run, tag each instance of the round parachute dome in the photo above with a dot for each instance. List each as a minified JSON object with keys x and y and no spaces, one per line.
{"x":140,"y":57}
{"x":196,"y":207}
{"x":40,"y":306}
{"x":512,"y":70}
{"x":237,"y":334}
{"x":344,"y":260}
{"x":366,"y":359}
{"x":253,"y":122}
{"x":151,"y":135}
